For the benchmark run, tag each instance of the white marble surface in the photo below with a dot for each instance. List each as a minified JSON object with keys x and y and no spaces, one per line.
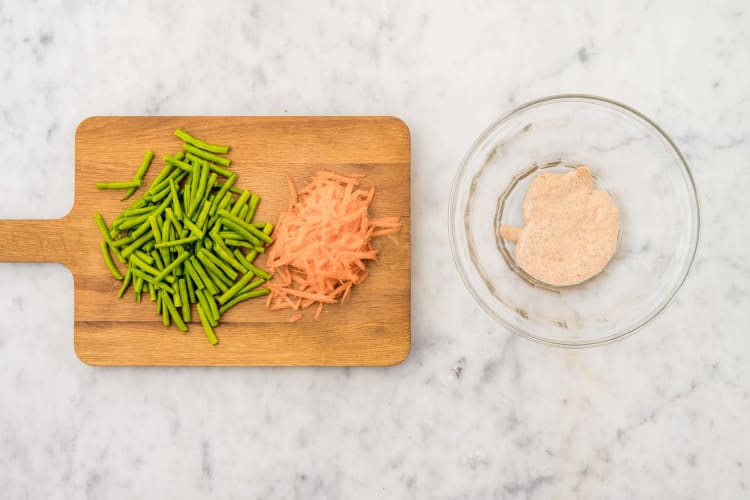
{"x":474,"y":412}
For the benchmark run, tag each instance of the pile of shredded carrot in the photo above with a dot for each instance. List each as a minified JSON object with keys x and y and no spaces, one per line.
{"x":322,"y":242}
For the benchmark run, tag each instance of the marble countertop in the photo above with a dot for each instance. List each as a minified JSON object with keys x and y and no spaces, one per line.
{"x":474,"y":412}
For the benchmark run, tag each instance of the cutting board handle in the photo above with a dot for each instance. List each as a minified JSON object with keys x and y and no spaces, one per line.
{"x":39,"y":240}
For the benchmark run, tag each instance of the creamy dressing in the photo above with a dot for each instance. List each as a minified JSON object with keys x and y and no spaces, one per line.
{"x":570,"y":231}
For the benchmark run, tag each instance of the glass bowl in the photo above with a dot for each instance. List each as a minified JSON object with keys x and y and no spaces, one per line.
{"x":631,"y":158}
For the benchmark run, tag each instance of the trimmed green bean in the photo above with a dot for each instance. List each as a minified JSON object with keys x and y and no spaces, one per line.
{"x":184,"y":299}
{"x":150,"y":279}
{"x":212,"y":148}
{"x":108,"y":261}
{"x":227,"y":256}
{"x":102,"y":227}
{"x":193,"y":228}
{"x":222,"y":192}
{"x":177,"y":243}
{"x":241,"y":201}
{"x":238,"y":228}
{"x":207,"y":326}
{"x":239,"y":285}
{"x":205,"y":155}
{"x":140,"y":173}
{"x":144,"y":257}
{"x":125,"y":283}
{"x":171,"y":267}
{"x":190,"y":287}
{"x":260,"y":273}
{"x":118,"y":185}
{"x":195,"y":278}
{"x":253,"y":204}
{"x":208,"y":283}
{"x":225,"y":268}
{"x":137,"y":244}
{"x":242,"y":298}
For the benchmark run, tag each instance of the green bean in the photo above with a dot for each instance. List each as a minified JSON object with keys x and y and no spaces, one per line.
{"x":183,"y":289}
{"x":208,"y":283}
{"x":213,"y":148}
{"x":207,"y":326}
{"x":137,"y":244}
{"x":177,"y":299}
{"x":193,"y":274}
{"x":171,"y":267}
{"x":175,"y":199}
{"x":253,"y":204}
{"x":108,"y":261}
{"x":268,"y":228}
{"x":161,"y":194}
{"x":150,"y":279}
{"x":177,"y":243}
{"x":144,"y":257}
{"x":220,"y":282}
{"x":120,"y":242}
{"x":200,"y":191}
{"x":185,"y":167}
{"x":205,"y":301}
{"x":242,"y":298}
{"x":137,"y":281}
{"x":163,"y":174}
{"x":230,"y":235}
{"x":241,"y":201}
{"x":140,"y":173}
{"x":231,"y":224}
{"x":219,"y":171}
{"x":193,"y":228}
{"x":225,"y":162}
{"x":190,"y":287}
{"x":145,"y":226}
{"x":250,"y":257}
{"x":214,"y":310}
{"x":227,"y":256}
{"x":102,"y":227}
{"x":202,"y":216}
{"x":260,"y":273}
{"x":143,"y":265}
{"x":133,"y":221}
{"x":251,"y":286}
{"x":152,"y":292}
{"x":260,"y":234}
{"x":118,"y":185}
{"x":239,"y":285}
{"x":164,"y":310}
{"x":157,"y":260}
{"x":243,"y":212}
{"x":137,"y":211}
{"x":238,"y":243}
{"x":226,"y":269}
{"x":222,"y":192}
{"x":125,"y":283}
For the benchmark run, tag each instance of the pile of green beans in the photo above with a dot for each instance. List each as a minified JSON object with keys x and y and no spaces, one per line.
{"x":190,"y":239}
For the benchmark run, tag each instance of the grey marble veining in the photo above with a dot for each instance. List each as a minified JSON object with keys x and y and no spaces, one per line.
{"x":474,"y":413}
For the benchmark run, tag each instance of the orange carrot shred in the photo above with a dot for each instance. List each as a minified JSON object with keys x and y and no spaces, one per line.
{"x":322,"y":242}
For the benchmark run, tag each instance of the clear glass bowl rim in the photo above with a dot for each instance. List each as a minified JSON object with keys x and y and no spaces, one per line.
{"x":452,"y":228}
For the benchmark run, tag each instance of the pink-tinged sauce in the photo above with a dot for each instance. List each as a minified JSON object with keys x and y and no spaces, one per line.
{"x":570,"y":231}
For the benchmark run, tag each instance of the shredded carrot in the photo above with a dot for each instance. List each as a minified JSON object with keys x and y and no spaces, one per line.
{"x":322,"y":242}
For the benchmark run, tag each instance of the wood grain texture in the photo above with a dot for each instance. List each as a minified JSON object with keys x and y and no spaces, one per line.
{"x":372,"y":329}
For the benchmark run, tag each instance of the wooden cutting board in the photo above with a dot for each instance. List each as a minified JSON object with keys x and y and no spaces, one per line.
{"x":372,"y":328}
